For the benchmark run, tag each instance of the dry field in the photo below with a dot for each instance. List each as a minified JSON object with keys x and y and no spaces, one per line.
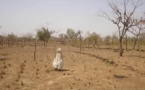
{"x":93,"y":69}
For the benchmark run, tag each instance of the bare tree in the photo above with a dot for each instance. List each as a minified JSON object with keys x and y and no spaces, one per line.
{"x":29,"y":38}
{"x":114,"y":40}
{"x":142,"y":38}
{"x":137,"y":31}
{"x":107,"y":41}
{"x":122,"y":15}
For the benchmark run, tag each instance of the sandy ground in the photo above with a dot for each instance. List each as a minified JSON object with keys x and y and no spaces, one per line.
{"x":93,"y":69}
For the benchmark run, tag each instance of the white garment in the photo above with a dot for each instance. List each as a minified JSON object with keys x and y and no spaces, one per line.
{"x":58,"y":62}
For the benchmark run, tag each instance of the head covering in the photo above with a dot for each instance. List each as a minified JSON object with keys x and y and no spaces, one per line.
{"x":59,"y":50}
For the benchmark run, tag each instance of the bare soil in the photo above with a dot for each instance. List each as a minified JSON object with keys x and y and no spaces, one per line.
{"x":93,"y":69}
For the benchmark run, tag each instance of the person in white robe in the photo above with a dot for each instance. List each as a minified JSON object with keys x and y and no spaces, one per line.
{"x":58,"y":60}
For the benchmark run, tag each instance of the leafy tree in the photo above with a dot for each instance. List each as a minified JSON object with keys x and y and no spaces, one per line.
{"x":93,"y":38}
{"x":11,"y":39}
{"x":63,"y":38}
{"x":44,"y":34}
{"x":73,"y":36}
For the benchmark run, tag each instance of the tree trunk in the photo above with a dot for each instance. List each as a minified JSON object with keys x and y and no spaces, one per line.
{"x":80,"y":43}
{"x":112,"y":44}
{"x":134,"y":44}
{"x":35,"y":52}
{"x":121,"y":49}
{"x":140,"y":43}
{"x":126,"y":42}
{"x":96,"y":43}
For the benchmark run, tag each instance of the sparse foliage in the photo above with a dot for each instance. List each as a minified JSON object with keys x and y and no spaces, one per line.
{"x":137,"y":31}
{"x":11,"y":39}
{"x":122,"y":15}
{"x":107,"y":41}
{"x":93,"y":38}
{"x":63,"y":38}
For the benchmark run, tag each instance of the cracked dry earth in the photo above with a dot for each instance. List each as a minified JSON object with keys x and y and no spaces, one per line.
{"x":93,"y":69}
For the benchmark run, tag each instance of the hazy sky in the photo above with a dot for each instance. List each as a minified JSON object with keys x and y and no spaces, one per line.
{"x":26,"y":16}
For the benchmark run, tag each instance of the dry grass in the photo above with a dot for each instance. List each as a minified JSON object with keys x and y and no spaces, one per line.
{"x":93,"y":69}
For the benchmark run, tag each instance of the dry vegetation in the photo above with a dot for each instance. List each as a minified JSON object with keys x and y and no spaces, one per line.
{"x":93,"y":69}
{"x":91,"y":62}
